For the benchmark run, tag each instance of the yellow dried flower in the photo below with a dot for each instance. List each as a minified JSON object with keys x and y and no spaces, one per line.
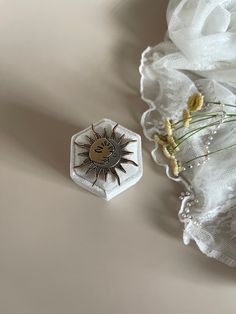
{"x":172,"y":142}
{"x":180,"y":166}
{"x":160,"y":139}
{"x":186,"y":118}
{"x":168,"y":126}
{"x":172,"y":124}
{"x":174,"y":167}
{"x":195,"y":102}
{"x":167,"y":153}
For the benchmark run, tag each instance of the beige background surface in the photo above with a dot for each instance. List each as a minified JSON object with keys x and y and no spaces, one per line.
{"x":65,"y":64}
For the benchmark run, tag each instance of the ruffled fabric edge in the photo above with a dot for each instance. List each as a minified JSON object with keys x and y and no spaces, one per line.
{"x":191,"y":232}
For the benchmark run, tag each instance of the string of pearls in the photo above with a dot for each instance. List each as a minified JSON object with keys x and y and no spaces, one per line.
{"x":191,"y":201}
{"x":209,"y":137}
{"x":186,"y":211}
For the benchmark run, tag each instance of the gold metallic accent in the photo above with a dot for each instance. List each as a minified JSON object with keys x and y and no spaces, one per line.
{"x":104,"y":154}
{"x":100,"y":150}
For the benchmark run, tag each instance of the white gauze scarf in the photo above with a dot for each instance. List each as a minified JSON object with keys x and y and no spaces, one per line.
{"x":198,"y":54}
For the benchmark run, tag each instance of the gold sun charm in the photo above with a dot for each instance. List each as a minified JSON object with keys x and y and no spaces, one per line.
{"x":105,"y":153}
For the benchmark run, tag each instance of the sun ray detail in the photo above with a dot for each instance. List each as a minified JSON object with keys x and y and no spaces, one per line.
{"x":104,"y":154}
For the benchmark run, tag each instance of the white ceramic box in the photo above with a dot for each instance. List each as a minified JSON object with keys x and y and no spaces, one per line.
{"x":106,"y":150}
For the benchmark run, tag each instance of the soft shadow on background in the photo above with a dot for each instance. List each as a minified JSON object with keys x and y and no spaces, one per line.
{"x":142,"y":24}
{"x":30,"y":130}
{"x":64,"y":65}
{"x":145,"y":22}
{"x":43,"y":136}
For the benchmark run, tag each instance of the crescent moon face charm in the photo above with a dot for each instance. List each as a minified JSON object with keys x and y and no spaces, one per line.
{"x":100,"y":151}
{"x":105,"y":154}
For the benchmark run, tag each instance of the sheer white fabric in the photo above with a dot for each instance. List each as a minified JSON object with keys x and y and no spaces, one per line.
{"x":199,"y":53}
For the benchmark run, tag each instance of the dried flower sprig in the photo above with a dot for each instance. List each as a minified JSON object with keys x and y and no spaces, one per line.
{"x":175,"y":166}
{"x":171,"y":140}
{"x":168,"y":127}
{"x":167,"y":153}
{"x":171,"y":143}
{"x":195,"y":102}
{"x":211,"y":153}
{"x":186,"y":118}
{"x":160,"y":139}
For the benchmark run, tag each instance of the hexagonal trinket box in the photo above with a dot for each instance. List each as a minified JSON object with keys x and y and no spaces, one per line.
{"x":106,"y":159}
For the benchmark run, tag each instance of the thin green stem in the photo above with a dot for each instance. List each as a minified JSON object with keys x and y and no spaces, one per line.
{"x":198,"y":129}
{"x":189,"y":134}
{"x":227,"y":121}
{"x":219,"y":103}
{"x":211,"y":114}
{"x":195,"y":121}
{"x":216,"y":151}
{"x":199,"y":116}
{"x":192,"y":133}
